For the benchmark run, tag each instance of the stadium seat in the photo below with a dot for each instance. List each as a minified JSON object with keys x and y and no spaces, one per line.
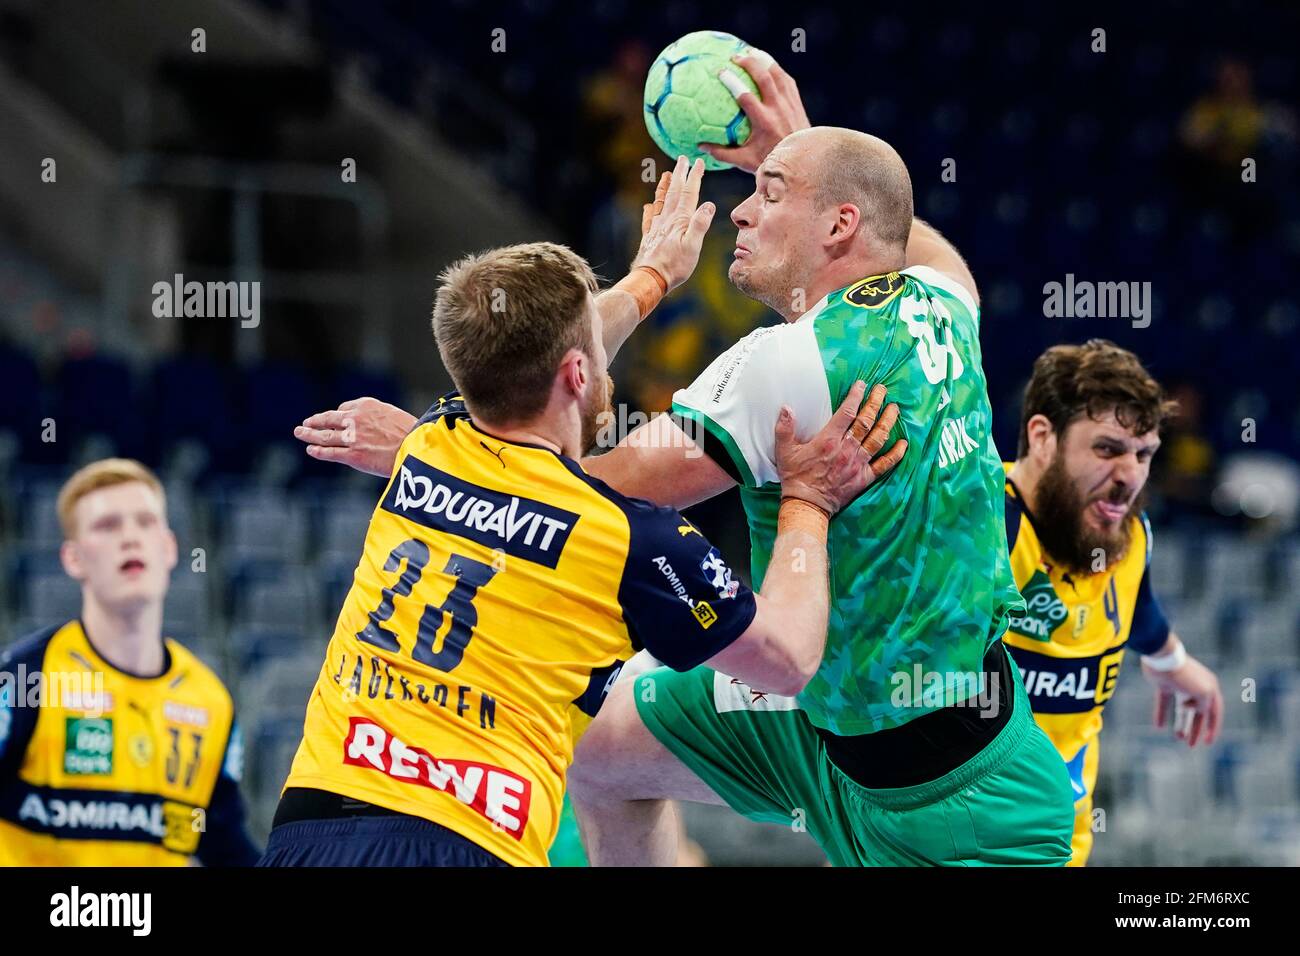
{"x":82,"y":412}
{"x":191,"y":400}
{"x":290,"y":602}
{"x":186,"y":612}
{"x":1179,"y":783}
{"x":1265,"y":782}
{"x":1273,"y":631}
{"x":269,"y":528}
{"x":335,"y":571}
{"x":1168,"y":569}
{"x":284,"y":387}
{"x":272,"y":741}
{"x":343,"y":521}
{"x":256,"y":648}
{"x":20,"y":388}
{"x":355,"y":382}
{"x":1235,"y":566}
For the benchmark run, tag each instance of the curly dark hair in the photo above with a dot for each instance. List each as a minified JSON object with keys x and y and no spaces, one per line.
{"x":1092,"y":379}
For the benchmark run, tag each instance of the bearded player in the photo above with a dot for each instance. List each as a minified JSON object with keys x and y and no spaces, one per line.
{"x":882,"y":772}
{"x":1080,"y":548}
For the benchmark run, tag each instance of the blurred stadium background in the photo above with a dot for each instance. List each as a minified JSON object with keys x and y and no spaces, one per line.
{"x":227,"y":165}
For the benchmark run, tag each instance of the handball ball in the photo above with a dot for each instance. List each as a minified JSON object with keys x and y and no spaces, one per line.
{"x":686,"y":103}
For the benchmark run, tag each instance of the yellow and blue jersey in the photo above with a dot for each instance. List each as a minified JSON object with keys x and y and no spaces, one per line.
{"x":1071,"y":640}
{"x":99,"y":767}
{"x":499,"y":592}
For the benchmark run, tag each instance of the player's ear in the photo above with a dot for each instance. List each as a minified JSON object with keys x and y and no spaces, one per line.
{"x":1042,"y":438}
{"x":173,"y":550}
{"x":70,"y":558}
{"x":845,"y":224}
{"x":575,"y":372}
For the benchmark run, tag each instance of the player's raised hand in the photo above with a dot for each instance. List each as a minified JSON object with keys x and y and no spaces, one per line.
{"x":673,"y":226}
{"x":839,"y":462}
{"x":362,"y":433}
{"x":775,"y":113}
{"x":1191,"y":697}
{"x":656,"y":206}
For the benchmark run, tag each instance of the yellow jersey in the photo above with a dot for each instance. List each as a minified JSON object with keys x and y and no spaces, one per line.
{"x":499,"y":592}
{"x":100,"y":767}
{"x":1075,"y":631}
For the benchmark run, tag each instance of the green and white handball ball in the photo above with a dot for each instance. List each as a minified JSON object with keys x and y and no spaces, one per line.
{"x":686,"y":103}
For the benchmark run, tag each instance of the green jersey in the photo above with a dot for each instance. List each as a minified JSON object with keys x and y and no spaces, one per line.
{"x":920,"y":580}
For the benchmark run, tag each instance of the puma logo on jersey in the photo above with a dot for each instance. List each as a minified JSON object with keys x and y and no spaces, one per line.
{"x":686,"y":529}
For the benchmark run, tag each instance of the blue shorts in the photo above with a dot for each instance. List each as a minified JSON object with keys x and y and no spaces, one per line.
{"x":372,"y":841}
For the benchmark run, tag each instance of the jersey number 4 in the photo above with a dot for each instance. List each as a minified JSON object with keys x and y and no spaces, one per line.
{"x":459,"y":606}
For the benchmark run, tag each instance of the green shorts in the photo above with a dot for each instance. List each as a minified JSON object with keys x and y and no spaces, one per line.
{"x":567,"y":848}
{"x":1009,"y":805}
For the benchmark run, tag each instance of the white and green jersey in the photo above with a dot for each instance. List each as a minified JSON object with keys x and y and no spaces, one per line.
{"x":920,"y":580}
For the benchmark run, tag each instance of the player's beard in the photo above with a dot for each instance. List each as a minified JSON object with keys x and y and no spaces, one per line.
{"x":1061,"y":528}
{"x":601,"y":404}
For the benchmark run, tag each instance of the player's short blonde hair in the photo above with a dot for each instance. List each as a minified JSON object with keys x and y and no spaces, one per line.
{"x":101,"y":474}
{"x":504,"y":319}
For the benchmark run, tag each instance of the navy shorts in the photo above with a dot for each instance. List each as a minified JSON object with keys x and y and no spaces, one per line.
{"x":372,"y":841}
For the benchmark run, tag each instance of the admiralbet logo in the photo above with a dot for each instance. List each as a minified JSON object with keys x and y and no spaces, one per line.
{"x":87,"y":816}
{"x":519,"y":526}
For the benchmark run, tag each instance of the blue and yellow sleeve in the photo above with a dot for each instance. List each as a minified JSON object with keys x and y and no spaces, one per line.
{"x":1150,"y":628}
{"x":18,"y":663}
{"x":679,"y":597}
{"x":225,"y":840}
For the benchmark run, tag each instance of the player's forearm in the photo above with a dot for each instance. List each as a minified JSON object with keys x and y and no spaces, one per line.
{"x":796,"y":592}
{"x":619,"y":316}
{"x":625,"y":305}
{"x":661,"y":463}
